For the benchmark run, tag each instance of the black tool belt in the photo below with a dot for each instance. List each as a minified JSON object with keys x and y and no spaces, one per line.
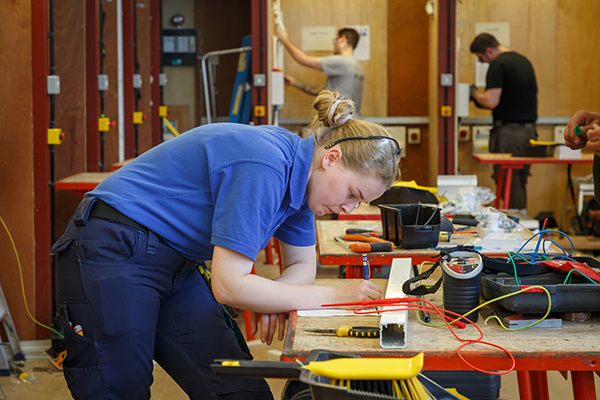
{"x":498,"y":123}
{"x":102,"y":210}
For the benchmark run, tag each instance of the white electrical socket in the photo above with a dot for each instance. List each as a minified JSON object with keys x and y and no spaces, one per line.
{"x":414,"y":136}
{"x":464,"y":133}
{"x":559,"y":134}
{"x":399,"y":133}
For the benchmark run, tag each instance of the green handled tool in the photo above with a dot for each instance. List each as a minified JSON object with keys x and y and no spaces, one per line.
{"x":352,"y":331}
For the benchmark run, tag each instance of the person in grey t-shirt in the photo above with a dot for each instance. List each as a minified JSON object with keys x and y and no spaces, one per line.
{"x":344,"y":72}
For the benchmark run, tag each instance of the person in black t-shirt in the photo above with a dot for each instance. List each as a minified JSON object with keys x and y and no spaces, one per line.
{"x":511,"y":94}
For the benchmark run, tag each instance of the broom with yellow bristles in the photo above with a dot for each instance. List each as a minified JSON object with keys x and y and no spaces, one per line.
{"x":394,"y":377}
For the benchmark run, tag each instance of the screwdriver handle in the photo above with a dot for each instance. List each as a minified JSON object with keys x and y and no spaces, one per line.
{"x":358,"y":231}
{"x":371,"y":247}
{"x":361,"y":238}
{"x":358,"y":331}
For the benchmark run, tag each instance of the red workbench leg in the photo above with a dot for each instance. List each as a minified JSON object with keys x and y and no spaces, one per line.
{"x":583,"y":385}
{"x":539,"y":385}
{"x":524,"y":385}
{"x":507,"y":187}
{"x":351,"y":271}
{"x":499,"y":188}
{"x":269,"y":253}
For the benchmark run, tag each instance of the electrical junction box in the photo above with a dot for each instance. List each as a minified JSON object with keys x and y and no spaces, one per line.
{"x":559,"y":134}
{"x":55,"y":136}
{"x":162,"y":79}
{"x":138,"y":117}
{"x":414,"y":136}
{"x":399,"y":133}
{"x":481,"y":138}
{"x":103,"y":82}
{"x":277,"y":88}
{"x":53,"y":84}
{"x":103,"y":124}
{"x":259,"y":80}
{"x":462,"y":99}
{"x":162,"y":111}
{"x":446,"y":80}
{"x":137,"y":81}
{"x":179,"y":47}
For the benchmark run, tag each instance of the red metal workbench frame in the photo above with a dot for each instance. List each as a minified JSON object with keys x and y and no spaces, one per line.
{"x":508,"y":163}
{"x":531,"y":367}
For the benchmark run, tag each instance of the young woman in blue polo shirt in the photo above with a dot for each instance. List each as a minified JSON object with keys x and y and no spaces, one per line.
{"x":127,"y":268}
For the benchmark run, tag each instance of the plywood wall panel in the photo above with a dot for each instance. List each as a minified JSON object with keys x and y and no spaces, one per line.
{"x":69,"y":56}
{"x":111,"y":106}
{"x":143,"y":54}
{"x":16,"y":151}
{"x":555,"y":36}
{"x":407,"y":86}
{"x":337,"y":13}
{"x":578,"y":60}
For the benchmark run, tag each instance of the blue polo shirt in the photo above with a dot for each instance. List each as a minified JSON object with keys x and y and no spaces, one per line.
{"x":228,"y":185}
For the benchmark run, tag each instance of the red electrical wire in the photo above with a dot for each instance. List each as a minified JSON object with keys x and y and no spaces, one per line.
{"x":439,"y":311}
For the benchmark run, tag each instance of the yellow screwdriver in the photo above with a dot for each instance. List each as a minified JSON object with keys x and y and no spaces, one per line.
{"x":352,"y":331}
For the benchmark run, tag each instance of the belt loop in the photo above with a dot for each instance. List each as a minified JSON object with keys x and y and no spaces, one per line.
{"x":82,"y":214}
{"x":152,"y":243}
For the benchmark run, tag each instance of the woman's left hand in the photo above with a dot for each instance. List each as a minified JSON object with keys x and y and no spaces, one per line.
{"x":268,"y":326}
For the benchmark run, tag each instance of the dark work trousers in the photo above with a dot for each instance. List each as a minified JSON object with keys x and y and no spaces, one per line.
{"x":513,"y":138}
{"x":136,"y":300}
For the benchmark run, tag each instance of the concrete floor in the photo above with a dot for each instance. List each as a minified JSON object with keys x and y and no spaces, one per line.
{"x":49,"y":383}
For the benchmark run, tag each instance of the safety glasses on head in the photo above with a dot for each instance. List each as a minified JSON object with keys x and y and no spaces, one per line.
{"x":398,"y":149}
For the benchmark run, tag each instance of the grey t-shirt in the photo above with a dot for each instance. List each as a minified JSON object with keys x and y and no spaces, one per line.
{"x":345,"y":75}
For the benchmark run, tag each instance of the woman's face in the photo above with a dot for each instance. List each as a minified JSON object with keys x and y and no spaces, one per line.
{"x":332,"y":188}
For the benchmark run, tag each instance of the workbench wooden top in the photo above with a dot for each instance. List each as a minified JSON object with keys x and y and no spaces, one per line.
{"x":82,"y":181}
{"x":574,"y":346}
{"x":329,"y":248}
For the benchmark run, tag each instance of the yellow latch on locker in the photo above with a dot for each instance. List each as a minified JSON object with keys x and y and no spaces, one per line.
{"x":103,"y":124}
{"x":138,"y":117}
{"x":259,"y":111}
{"x":55,"y":136}
{"x":162,"y":111}
{"x":446,"y":111}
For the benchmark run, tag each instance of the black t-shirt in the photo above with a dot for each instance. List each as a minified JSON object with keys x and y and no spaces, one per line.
{"x":514,"y":74}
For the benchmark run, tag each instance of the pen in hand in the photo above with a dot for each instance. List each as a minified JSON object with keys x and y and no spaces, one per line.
{"x":366,"y":267}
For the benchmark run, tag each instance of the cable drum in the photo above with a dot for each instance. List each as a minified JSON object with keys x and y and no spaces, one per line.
{"x":461,"y":280}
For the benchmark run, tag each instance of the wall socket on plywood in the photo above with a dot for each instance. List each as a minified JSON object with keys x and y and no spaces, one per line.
{"x":414,"y":136}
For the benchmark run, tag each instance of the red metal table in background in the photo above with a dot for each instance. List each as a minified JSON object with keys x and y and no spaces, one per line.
{"x":82,"y":182}
{"x":508,"y":163}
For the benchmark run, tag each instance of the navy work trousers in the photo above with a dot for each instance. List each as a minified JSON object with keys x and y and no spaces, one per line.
{"x":137,"y":299}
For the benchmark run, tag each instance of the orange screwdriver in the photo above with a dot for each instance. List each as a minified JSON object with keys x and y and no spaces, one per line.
{"x":366,"y":245}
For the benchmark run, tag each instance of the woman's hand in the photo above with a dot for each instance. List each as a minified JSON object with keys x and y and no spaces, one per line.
{"x":268,"y":326}
{"x":358,"y":291}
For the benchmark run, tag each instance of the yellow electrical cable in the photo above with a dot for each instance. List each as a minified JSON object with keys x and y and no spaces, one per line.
{"x":22,"y":284}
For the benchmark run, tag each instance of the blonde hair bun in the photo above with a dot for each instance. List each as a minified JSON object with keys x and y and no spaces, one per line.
{"x":333,"y":110}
